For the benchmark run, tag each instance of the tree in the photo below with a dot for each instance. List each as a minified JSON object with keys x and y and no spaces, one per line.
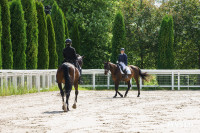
{"x":66,"y":28}
{"x":142,"y":21}
{"x":95,"y":21}
{"x":43,"y":53}
{"x":53,"y":57}
{"x":59,"y":28}
{"x":18,"y":35}
{"x":0,"y":40}
{"x":76,"y":38}
{"x":7,"y":53}
{"x":165,"y":58}
{"x":119,"y":36}
{"x":30,"y":15}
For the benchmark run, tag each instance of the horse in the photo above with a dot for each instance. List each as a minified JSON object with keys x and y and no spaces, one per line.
{"x":117,"y":76}
{"x":68,"y":74}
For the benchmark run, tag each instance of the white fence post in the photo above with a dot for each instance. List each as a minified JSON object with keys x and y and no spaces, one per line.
{"x":108,"y":81}
{"x":93,"y":80}
{"x":2,"y":82}
{"x":15,"y":81}
{"x":6,"y":80}
{"x":172,"y":80}
{"x":38,"y":82}
{"x":22,"y":80}
{"x":179,"y":81}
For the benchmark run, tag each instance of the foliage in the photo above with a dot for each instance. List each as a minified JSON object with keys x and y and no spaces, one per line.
{"x":30,"y":15}
{"x":66,"y":29}
{"x":165,"y":58}
{"x":59,"y":28}
{"x":142,"y":20}
{"x":53,"y":57}
{"x":0,"y":40}
{"x":7,"y":54}
{"x":76,"y":38}
{"x":95,"y":24}
{"x":18,"y":35}
{"x":43,"y":53}
{"x":118,"y":40}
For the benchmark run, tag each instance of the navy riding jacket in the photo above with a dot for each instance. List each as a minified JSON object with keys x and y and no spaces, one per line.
{"x":69,"y":54}
{"x":123,"y":58}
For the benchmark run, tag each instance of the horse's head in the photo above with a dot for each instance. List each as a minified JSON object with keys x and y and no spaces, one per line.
{"x":106,"y":67}
{"x":80,"y":59}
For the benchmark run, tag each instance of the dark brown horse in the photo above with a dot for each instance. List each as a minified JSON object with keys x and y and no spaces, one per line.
{"x":68,"y":74}
{"x":117,"y":76}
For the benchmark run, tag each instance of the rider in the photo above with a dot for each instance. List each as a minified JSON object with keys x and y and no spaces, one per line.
{"x":69,"y":54}
{"x":122,"y":60}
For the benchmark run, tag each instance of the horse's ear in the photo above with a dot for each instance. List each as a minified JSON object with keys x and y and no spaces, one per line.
{"x":83,"y":57}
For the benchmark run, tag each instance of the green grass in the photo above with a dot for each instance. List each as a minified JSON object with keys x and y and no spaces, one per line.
{"x":23,"y":90}
{"x":11,"y":90}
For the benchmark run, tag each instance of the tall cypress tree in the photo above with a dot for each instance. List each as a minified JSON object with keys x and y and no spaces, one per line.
{"x":30,"y":15}
{"x":118,"y":40}
{"x":43,"y":53}
{"x":76,"y":38}
{"x":0,"y":40}
{"x":18,"y":35}
{"x":53,"y":57}
{"x":7,"y":53}
{"x":66,"y":28}
{"x":165,"y":59}
{"x":59,"y":28}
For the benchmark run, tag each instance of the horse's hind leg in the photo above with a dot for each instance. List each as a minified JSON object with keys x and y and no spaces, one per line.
{"x":138,"y":86}
{"x":67,"y":97}
{"x":62,"y":94}
{"x":76,"y":95}
{"x":129,"y":86}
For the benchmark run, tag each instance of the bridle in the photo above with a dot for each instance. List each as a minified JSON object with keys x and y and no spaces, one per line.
{"x":107,"y":69}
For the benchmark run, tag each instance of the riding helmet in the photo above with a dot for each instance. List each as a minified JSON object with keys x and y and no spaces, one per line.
{"x":68,"y":41}
{"x":122,"y":49}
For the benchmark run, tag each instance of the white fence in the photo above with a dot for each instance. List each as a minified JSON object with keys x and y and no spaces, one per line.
{"x":95,"y":78}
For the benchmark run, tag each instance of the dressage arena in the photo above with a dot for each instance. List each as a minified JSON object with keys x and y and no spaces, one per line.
{"x":97,"y":111}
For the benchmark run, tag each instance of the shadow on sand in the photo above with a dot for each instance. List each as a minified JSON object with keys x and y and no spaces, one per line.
{"x":53,"y":112}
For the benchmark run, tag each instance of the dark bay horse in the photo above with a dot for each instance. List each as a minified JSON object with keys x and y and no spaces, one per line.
{"x":117,"y":76}
{"x":68,"y":74}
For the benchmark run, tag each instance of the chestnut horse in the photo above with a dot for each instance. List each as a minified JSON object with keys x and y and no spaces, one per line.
{"x":117,"y":76}
{"x":68,"y":74}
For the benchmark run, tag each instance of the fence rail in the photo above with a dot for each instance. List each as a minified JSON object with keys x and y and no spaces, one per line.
{"x":95,"y":78}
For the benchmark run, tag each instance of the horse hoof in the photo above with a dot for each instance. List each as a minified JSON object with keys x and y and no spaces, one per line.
{"x":121,"y":95}
{"x":65,"y":108}
{"x":114,"y":96}
{"x":74,"y":106}
{"x":138,"y":96}
{"x":124,"y":95}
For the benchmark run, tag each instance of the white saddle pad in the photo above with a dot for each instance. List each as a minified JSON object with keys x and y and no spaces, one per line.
{"x":127,"y":69}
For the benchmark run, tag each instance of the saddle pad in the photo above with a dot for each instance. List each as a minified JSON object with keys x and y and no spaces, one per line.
{"x":127,"y":69}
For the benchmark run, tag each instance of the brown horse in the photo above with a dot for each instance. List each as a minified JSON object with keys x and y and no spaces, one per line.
{"x":68,"y":74}
{"x":117,"y":76}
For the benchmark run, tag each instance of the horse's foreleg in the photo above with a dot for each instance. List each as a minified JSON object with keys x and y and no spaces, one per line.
{"x":116,"y":90}
{"x":62,"y":94}
{"x":129,"y":86}
{"x":76,"y":95}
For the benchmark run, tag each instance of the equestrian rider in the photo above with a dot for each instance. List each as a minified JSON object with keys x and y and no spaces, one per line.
{"x":122,"y":60}
{"x":69,"y":54}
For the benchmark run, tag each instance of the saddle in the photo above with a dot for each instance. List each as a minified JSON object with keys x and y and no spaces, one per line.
{"x":127,"y":69}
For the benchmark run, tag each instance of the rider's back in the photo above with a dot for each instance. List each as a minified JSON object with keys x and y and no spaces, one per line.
{"x":69,"y":53}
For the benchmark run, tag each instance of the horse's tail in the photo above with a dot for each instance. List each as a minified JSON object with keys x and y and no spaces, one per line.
{"x":67,"y":77}
{"x":143,"y":75}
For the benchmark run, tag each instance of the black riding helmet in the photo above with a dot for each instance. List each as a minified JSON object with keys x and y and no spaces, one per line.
{"x":68,"y":41}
